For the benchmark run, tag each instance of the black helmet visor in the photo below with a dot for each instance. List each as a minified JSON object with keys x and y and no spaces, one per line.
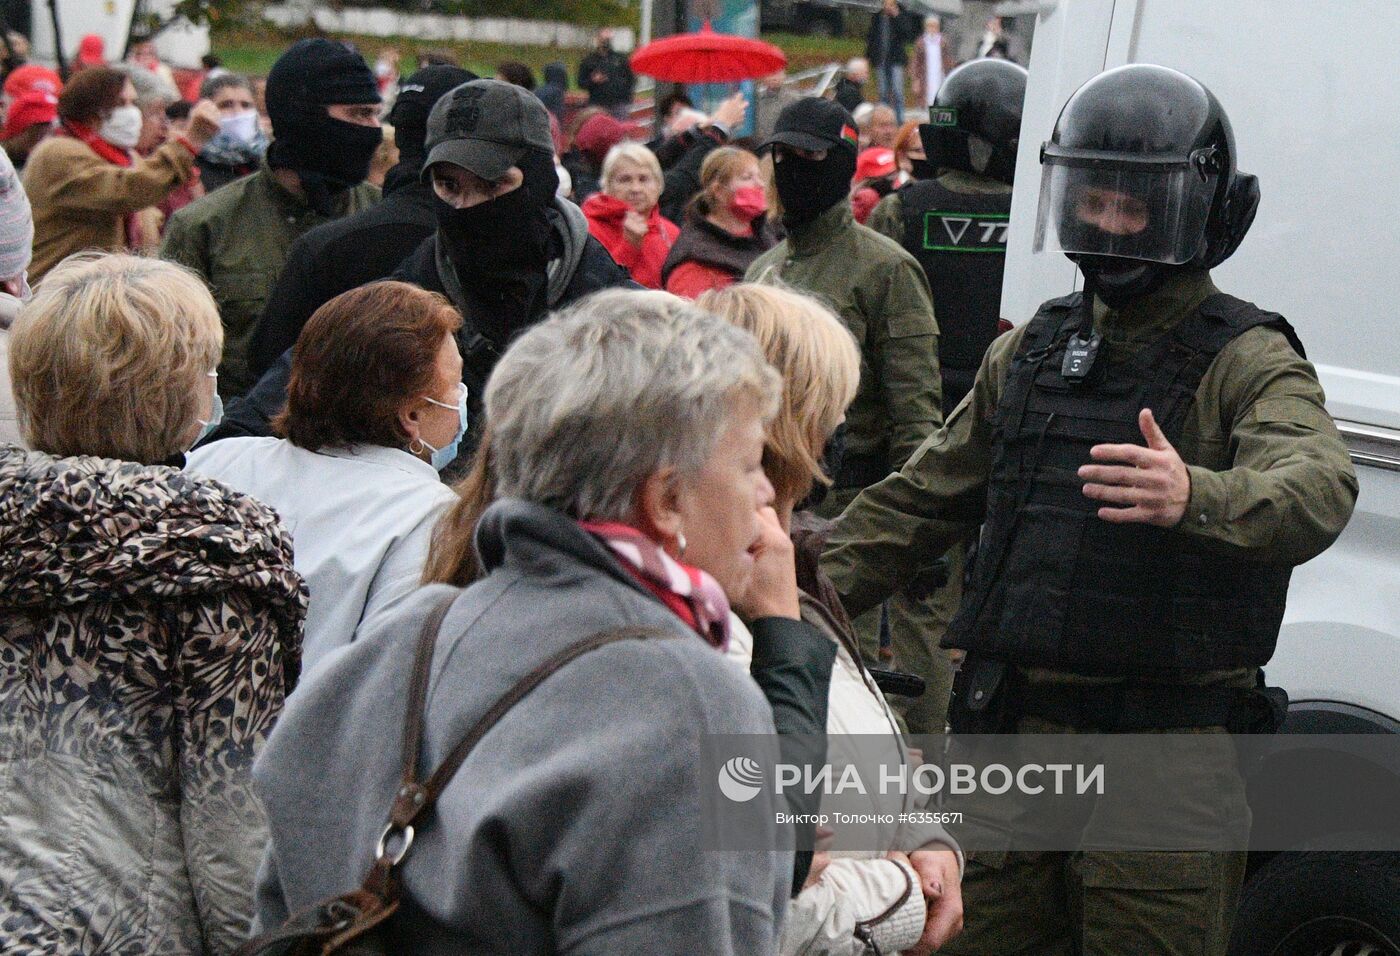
{"x":1152,"y":209}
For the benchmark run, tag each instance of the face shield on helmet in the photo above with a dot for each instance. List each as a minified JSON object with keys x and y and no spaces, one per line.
{"x":1151,"y":209}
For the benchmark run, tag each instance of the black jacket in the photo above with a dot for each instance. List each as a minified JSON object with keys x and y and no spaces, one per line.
{"x":214,"y":175}
{"x":682,"y":178}
{"x":901,"y":32}
{"x":616,"y":88}
{"x":551,"y":91}
{"x":339,"y":256}
{"x":849,"y":94}
{"x":594,"y":270}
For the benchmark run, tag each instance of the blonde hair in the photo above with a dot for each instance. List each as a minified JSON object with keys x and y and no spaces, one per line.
{"x":110,"y":358}
{"x":820,"y":366}
{"x":631,"y":153}
{"x":720,"y":166}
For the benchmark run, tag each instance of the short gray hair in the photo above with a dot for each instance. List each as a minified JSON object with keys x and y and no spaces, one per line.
{"x":589,"y":403}
{"x":151,"y":90}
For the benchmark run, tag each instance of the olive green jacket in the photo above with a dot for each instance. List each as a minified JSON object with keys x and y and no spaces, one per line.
{"x":880,"y":293}
{"x":237,"y":239}
{"x":1271,"y":479}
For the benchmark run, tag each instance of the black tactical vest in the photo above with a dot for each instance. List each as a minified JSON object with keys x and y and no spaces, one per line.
{"x":1054,"y":586}
{"x":960,"y":240}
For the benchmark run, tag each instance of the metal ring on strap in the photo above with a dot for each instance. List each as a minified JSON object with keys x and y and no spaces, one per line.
{"x":381,"y":852}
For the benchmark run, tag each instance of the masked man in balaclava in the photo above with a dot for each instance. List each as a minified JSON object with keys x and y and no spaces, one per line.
{"x":880,"y":293}
{"x":324,"y":106}
{"x":506,"y":250}
{"x":341,"y":255}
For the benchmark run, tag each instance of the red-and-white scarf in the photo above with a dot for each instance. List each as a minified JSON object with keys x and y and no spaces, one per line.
{"x":691,"y":594}
{"x":113,"y":154}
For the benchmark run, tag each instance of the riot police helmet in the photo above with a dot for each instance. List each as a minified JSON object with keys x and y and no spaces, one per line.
{"x":975,"y":120}
{"x":1141,"y":167}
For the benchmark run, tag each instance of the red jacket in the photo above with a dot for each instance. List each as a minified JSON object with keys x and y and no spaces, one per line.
{"x":605,"y":215}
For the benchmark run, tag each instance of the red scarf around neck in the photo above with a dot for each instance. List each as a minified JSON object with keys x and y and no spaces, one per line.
{"x":113,"y":154}
{"x":691,"y":594}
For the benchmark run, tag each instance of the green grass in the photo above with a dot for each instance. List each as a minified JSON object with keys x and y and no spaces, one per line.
{"x":254,"y":51}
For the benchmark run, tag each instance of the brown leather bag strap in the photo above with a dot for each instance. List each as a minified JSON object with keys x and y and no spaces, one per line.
{"x":418,"y":687}
{"x":449,"y":767}
{"x":413,"y":798}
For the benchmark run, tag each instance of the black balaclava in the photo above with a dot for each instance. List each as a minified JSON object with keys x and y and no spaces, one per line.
{"x":409,"y":117}
{"x":328,"y":155}
{"x":807,"y":188}
{"x":1118,"y":281}
{"x":500,"y":249}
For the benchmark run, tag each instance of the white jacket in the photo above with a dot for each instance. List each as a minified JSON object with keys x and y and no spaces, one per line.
{"x":861,"y":891}
{"x":360,"y":519}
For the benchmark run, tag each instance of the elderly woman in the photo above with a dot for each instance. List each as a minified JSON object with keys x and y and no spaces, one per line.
{"x":726,"y":226}
{"x":149,"y":627}
{"x":624,"y":217}
{"x":375,"y":408}
{"x":153,"y":96}
{"x":883,"y":892}
{"x":627,"y":445}
{"x":86,"y":182}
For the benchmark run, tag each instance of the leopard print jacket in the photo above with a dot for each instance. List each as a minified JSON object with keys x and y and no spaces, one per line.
{"x":150,"y":628}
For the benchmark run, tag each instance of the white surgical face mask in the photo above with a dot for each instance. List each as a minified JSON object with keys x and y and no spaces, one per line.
{"x":240,"y":127}
{"x":447,"y":454}
{"x":123,"y":127}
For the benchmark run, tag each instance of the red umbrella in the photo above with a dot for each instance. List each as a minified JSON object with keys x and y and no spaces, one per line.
{"x":707,"y":57}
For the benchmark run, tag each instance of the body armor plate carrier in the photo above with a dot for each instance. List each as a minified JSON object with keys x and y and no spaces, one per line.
{"x":1057,"y":587}
{"x":960,"y":240}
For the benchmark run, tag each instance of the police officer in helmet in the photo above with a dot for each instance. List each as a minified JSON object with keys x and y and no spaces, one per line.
{"x":1147,"y":461}
{"x":955,"y":224}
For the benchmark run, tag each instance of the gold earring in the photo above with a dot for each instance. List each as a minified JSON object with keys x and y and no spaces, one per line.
{"x":680,"y":543}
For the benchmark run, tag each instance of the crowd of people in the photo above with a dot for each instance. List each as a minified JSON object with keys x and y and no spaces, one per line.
{"x":305,"y":476}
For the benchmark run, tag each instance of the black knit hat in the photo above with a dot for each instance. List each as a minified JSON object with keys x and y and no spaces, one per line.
{"x":317,"y":72}
{"x":417,"y":94}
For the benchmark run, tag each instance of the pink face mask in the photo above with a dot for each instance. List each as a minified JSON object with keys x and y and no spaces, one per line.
{"x":749,"y":202}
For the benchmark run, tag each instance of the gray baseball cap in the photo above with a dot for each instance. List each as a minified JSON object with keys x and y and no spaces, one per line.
{"x":485,"y":127}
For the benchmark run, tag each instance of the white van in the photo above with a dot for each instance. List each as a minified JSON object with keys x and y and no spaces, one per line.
{"x":1312,"y":90}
